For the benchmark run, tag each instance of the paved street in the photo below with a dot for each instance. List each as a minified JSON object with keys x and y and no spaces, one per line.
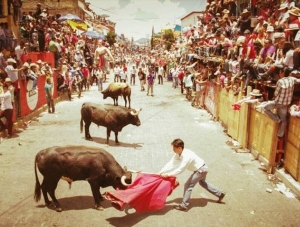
{"x":164,"y":117}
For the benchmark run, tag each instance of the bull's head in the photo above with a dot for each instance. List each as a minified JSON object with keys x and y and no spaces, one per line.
{"x":126,"y":179}
{"x":104,"y":94}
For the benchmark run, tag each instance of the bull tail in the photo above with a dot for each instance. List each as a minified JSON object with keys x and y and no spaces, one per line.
{"x":81,"y":125}
{"x":37,"y":191}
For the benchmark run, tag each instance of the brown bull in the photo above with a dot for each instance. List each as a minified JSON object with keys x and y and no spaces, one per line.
{"x":116,"y":89}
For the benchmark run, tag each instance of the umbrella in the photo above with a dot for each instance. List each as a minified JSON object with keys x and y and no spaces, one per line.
{"x":70,"y":17}
{"x":94,"y":35}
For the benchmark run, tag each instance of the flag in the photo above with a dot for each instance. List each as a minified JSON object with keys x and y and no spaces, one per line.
{"x":147,"y":193}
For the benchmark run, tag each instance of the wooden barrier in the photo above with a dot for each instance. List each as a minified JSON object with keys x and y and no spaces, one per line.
{"x":262,"y":137}
{"x":292,"y":152}
{"x":236,"y":121}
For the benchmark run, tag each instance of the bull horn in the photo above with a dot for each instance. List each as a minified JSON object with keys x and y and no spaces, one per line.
{"x":123,"y":181}
{"x":134,"y":171}
{"x":135,"y":112}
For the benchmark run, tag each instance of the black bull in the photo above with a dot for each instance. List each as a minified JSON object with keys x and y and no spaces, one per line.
{"x":73,"y":163}
{"x":114,"y":118}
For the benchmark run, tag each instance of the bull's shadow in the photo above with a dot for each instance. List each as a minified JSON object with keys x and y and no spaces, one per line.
{"x":74,"y":203}
{"x":112,"y":143}
{"x":132,"y":219}
{"x":78,"y":203}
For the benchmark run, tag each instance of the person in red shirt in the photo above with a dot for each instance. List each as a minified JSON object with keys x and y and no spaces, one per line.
{"x":180,"y":78}
{"x":86,"y":75}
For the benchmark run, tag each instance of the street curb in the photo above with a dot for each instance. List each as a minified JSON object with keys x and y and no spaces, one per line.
{"x":289,"y":181}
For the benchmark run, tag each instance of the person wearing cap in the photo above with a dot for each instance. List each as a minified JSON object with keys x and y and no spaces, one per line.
{"x":282,"y":98}
{"x":6,"y":110}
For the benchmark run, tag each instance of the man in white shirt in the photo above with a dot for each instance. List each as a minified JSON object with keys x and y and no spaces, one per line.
{"x":187,"y":159}
{"x":132,"y":75}
{"x":19,"y":51}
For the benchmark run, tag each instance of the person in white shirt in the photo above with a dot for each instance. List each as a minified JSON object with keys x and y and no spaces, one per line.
{"x":19,"y":51}
{"x":6,"y":110}
{"x":117,"y":70}
{"x":123,"y":76}
{"x":187,"y":159}
{"x":160,"y":74}
{"x":132,"y":75}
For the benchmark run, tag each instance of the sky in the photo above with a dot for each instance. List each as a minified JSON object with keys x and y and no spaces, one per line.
{"x":135,"y":18}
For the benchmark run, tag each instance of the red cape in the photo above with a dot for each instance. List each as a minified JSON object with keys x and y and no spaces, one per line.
{"x":147,"y":193}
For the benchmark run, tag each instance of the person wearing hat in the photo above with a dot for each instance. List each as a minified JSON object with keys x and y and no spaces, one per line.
{"x":10,"y":88}
{"x":32,"y":75}
{"x":12,"y":72}
{"x":253,"y":97}
{"x":38,"y":10}
{"x":294,"y":15}
{"x":283,"y":14}
{"x":283,"y":96}
{"x":6,"y":110}
{"x":244,"y":21}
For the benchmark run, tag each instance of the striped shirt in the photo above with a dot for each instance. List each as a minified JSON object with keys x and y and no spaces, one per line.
{"x":284,"y":90}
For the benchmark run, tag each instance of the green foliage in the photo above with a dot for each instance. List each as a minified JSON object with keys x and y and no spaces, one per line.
{"x":169,"y":38}
{"x":111,"y":37}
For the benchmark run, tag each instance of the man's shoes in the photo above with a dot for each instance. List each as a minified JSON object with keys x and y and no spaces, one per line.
{"x":221,"y":197}
{"x":181,"y":208}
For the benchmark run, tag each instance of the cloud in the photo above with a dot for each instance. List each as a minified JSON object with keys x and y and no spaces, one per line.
{"x":135,"y":18}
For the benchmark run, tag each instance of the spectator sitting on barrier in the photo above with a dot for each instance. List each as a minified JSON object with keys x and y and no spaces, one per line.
{"x":32,"y":75}
{"x":254,"y":97}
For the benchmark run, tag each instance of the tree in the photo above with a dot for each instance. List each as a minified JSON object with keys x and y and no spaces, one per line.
{"x":111,"y":37}
{"x":168,"y":38}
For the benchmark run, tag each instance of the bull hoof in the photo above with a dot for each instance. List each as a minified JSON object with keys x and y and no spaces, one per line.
{"x":58,"y":209}
{"x":90,"y":138}
{"x":99,"y":207}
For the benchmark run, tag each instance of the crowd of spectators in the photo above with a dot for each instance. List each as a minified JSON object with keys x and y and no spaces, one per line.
{"x":234,"y":46}
{"x":240,"y":46}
